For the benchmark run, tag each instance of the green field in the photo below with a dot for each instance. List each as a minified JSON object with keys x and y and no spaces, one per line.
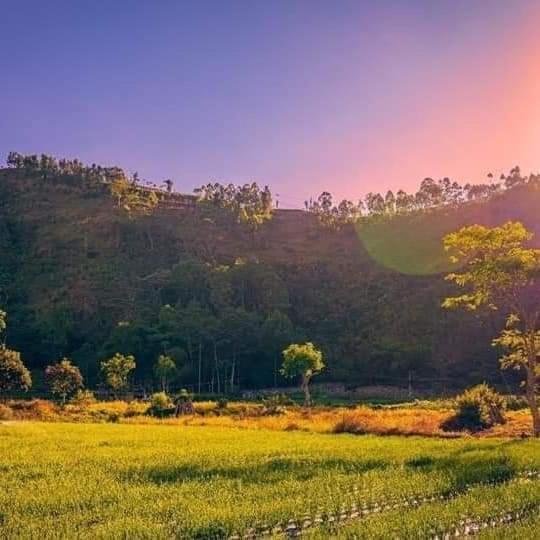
{"x":128,"y":481}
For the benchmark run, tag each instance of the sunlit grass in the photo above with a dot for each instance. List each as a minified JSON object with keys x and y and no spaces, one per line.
{"x":113,"y":481}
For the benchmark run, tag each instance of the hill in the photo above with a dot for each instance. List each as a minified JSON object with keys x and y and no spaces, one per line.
{"x":80,"y":278}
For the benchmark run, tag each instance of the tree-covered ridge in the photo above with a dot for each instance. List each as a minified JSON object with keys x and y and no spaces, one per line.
{"x":249,"y":203}
{"x":84,"y":277}
{"x":432,"y":195}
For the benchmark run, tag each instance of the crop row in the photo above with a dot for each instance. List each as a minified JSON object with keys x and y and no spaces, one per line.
{"x":357,"y":510}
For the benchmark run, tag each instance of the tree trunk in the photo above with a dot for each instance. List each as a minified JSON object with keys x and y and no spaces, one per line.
{"x":200,"y":366}
{"x":217,"y":369}
{"x":531,"y":396}
{"x":305,"y":388}
{"x":232,"y":370}
{"x":150,"y":240}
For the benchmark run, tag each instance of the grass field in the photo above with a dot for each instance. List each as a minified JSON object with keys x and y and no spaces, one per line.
{"x":151,"y":481}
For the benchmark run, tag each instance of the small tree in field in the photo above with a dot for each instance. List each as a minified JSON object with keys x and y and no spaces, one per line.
{"x":64,"y":379}
{"x":304,"y":361}
{"x":164,"y":369}
{"x":116,"y":370}
{"x":13,"y":373}
{"x":498,"y":271}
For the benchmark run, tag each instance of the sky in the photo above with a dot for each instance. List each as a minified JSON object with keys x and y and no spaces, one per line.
{"x":306,"y":96}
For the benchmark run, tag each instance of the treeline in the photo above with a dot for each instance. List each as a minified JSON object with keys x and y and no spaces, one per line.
{"x":250,"y":203}
{"x":49,"y":167}
{"x":432,"y":194}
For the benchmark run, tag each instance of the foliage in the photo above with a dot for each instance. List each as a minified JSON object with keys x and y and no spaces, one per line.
{"x":249,"y":203}
{"x":117,"y":369}
{"x":517,"y":344}
{"x":497,"y":265}
{"x":477,"y":408}
{"x":302,"y":360}
{"x":63,"y":378}
{"x":161,"y":405}
{"x":133,"y":199}
{"x":13,"y":373}
{"x":83,"y":398}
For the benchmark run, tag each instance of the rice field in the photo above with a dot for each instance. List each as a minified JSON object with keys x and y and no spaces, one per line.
{"x":165,"y":481}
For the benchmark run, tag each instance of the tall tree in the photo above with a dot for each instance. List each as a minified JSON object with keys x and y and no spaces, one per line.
{"x":498,"y":270}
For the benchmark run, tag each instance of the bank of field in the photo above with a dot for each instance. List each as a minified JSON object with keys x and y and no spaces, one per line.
{"x":159,"y":481}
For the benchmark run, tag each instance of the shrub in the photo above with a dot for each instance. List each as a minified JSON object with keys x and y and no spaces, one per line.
{"x":161,"y":405}
{"x":5,"y":412}
{"x":478,"y":408}
{"x":37,"y":409}
{"x":83,"y":398}
{"x":274,"y":405}
{"x":13,"y":373}
{"x":516,"y":403}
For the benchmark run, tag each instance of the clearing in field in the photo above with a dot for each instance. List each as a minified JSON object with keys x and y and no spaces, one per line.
{"x":152,"y":481}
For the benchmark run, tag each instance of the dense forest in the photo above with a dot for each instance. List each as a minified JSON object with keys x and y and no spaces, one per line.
{"x":95,"y":262}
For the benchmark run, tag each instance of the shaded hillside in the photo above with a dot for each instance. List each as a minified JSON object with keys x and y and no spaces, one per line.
{"x":79,"y":278}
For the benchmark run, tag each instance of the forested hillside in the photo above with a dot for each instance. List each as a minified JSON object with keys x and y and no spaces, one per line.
{"x":86,"y":272}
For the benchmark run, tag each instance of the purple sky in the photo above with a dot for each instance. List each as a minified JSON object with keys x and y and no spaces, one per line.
{"x":302,"y":95}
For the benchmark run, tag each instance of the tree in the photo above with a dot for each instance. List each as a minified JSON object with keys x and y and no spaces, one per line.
{"x":164,"y":369}
{"x":499,"y":272}
{"x":117,"y":369}
{"x":304,"y":361}
{"x":63,"y":378}
{"x":13,"y":373}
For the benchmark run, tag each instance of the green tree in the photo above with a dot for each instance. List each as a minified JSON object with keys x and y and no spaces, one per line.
{"x":164,"y":369}
{"x":63,"y":378}
{"x":304,"y":361}
{"x":497,"y":270}
{"x":116,"y":370}
{"x":13,"y":373}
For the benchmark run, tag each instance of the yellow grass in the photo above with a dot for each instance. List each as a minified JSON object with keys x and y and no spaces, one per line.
{"x":244,"y":415}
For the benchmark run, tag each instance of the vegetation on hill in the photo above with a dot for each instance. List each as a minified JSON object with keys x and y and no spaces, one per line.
{"x":85,"y":275}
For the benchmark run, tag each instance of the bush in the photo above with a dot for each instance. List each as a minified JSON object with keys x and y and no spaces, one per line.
{"x":478,"y":408}
{"x":275,"y":404}
{"x":161,"y":405}
{"x":83,"y":398}
{"x":516,"y":403}
{"x":5,"y":412}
